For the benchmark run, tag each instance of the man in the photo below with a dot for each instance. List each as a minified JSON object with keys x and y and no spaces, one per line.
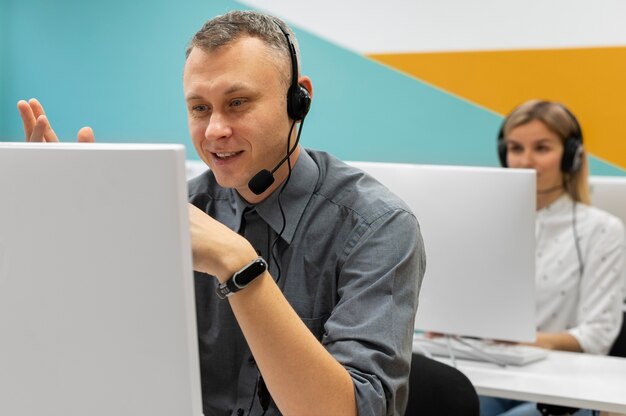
{"x":327,"y":328}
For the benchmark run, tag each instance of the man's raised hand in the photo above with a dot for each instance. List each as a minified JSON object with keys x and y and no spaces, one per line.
{"x":37,"y":126}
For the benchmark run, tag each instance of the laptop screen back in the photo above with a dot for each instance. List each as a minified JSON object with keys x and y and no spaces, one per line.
{"x":97,"y":311}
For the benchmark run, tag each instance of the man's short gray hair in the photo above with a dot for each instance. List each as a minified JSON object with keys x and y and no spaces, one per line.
{"x":228,"y":28}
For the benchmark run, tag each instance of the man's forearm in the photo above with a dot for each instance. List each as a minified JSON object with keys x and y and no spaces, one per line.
{"x":301,"y":375}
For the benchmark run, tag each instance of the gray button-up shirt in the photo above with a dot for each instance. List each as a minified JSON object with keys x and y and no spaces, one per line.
{"x":351,"y":262}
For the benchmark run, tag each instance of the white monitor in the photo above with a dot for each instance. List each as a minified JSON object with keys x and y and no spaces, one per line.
{"x":195,"y":168}
{"x":478,"y":226}
{"x":609,"y":194}
{"x":97,"y":312}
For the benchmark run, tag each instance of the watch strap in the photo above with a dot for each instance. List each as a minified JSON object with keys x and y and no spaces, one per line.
{"x":242,"y":278}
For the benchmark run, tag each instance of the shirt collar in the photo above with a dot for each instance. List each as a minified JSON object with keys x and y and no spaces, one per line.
{"x":562,"y":204}
{"x":294,"y":199}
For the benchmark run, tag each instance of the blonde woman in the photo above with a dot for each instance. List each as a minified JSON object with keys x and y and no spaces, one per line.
{"x":581,"y":250}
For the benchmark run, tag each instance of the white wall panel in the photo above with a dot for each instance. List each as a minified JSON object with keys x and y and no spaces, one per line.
{"x":451,"y":25}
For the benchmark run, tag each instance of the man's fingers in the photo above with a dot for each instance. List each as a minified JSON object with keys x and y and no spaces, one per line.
{"x":40,"y":127}
{"x":49,"y":134}
{"x":85,"y":135}
{"x":37,"y":127}
{"x":42,"y":132}
{"x":37,"y":107}
{"x":28,"y":118}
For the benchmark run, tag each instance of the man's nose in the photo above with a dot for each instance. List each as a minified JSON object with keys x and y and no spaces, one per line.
{"x":218,"y":128}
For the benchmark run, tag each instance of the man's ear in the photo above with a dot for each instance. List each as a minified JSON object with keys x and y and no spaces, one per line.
{"x":307,"y":84}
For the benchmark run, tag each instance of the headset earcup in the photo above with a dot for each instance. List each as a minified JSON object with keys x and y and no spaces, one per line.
{"x":298,"y":102}
{"x":502,"y":153}
{"x":572,"y":155}
{"x":502,"y":147}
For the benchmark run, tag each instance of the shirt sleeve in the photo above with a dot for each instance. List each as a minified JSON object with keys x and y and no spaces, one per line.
{"x":370,"y":330}
{"x":599,"y":314}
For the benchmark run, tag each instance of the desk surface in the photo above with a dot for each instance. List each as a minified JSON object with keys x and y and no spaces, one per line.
{"x":563,"y":378}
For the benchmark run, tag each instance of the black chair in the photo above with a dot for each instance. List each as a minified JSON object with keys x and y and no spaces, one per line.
{"x":619,"y":346}
{"x":438,"y":389}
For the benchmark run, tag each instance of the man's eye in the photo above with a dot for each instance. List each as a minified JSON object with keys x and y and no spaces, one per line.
{"x":238,"y":102}
{"x":199,"y":108}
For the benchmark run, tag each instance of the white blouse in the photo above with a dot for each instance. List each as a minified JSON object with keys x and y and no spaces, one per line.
{"x":582,"y":296}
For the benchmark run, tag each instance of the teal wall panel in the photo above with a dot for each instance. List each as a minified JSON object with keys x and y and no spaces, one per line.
{"x":602,"y":168}
{"x":114,"y":65}
{"x":4,"y":44}
{"x":363,"y":110}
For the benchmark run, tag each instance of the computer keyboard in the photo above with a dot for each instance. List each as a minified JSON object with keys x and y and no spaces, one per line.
{"x":478,"y":350}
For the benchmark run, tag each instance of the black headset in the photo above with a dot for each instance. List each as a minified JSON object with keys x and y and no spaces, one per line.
{"x":572,"y":147}
{"x":298,"y":104}
{"x":298,"y":98}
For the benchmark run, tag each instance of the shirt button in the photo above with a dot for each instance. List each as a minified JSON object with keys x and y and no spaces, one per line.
{"x":240,"y":412}
{"x":251,"y":360}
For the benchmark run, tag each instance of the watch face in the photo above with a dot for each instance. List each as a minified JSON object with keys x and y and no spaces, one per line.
{"x":249,"y":273}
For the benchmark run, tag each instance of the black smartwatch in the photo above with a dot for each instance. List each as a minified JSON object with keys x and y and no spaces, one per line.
{"x":242,"y":278}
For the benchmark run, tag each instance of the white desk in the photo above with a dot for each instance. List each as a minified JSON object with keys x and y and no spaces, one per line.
{"x":563,"y":378}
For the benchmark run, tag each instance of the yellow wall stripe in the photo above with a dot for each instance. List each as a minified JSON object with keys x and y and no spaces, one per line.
{"x":591,"y":81}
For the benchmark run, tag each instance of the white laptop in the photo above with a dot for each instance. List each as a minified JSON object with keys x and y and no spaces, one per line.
{"x":97,"y":312}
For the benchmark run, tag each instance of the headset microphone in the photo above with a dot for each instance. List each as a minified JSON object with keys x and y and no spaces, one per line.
{"x":264,"y":178}
{"x":261,"y":181}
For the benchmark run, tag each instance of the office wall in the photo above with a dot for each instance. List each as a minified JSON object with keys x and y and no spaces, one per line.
{"x":114,"y":65}
{"x":493,"y":54}
{"x":117,"y":66}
